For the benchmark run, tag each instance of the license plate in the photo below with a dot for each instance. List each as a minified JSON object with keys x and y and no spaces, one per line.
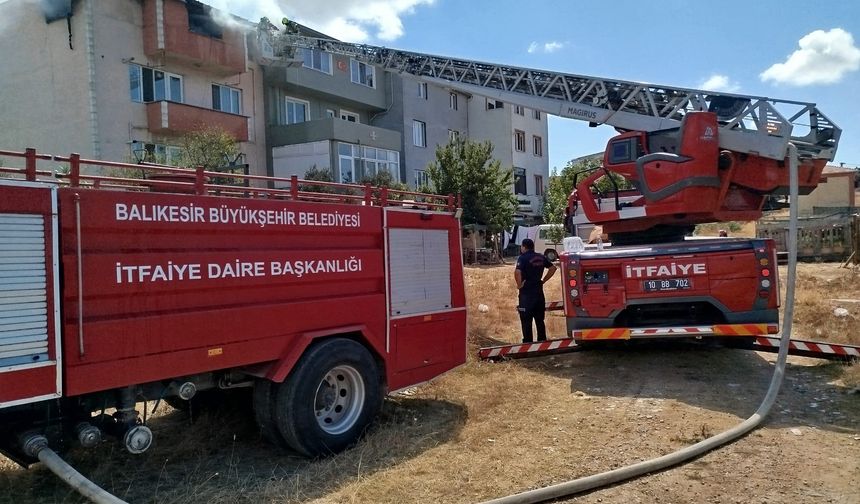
{"x":668,"y":284}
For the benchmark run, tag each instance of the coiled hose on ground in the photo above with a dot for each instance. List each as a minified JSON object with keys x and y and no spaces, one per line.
{"x":595,"y":481}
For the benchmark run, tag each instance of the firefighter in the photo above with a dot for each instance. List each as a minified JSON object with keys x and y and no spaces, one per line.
{"x":529,"y":275}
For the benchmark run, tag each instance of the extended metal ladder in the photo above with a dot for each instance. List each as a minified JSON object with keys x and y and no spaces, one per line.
{"x":748,"y":124}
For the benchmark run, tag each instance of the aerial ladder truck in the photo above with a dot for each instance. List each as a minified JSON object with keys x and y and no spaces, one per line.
{"x":691,"y":156}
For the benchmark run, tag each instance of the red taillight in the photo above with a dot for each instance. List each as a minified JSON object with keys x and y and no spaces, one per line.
{"x":765,"y":272}
{"x":572,"y":282}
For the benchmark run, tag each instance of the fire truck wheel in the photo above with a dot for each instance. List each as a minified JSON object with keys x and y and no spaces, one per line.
{"x":329,"y":399}
{"x":264,"y":412}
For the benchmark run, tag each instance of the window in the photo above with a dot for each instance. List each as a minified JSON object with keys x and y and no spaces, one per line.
{"x":422,"y":179}
{"x":537,"y":143}
{"x":330,"y":113}
{"x":419,"y":134}
{"x":147,"y":85}
{"x":453,"y":135}
{"x":520,"y":140}
{"x":519,"y":110}
{"x":536,"y":114}
{"x":357,"y":163}
{"x":422,"y":90}
{"x":315,"y":59}
{"x":349,"y":116}
{"x":452,"y":101}
{"x":494,"y":104}
{"x":156,"y":153}
{"x":362,"y":73}
{"x":226,"y":99}
{"x":539,"y":185}
{"x":295,"y":111}
{"x":200,"y":20}
{"x":519,"y":181}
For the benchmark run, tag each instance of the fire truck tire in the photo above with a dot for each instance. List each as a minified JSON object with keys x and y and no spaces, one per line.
{"x":264,"y":412}
{"x":329,"y":399}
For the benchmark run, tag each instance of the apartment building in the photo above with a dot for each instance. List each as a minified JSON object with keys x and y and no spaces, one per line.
{"x":320,"y":111}
{"x":126,"y":79}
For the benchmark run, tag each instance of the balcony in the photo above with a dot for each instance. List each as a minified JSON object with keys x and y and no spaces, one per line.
{"x":203,"y":42}
{"x":334,"y":129}
{"x":165,"y":117}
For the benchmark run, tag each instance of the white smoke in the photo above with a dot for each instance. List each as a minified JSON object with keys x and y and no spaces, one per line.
{"x":349,"y":20}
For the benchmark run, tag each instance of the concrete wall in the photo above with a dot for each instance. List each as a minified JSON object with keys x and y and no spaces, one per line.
{"x":436,"y":113}
{"x":297,"y":159}
{"x":836,"y":190}
{"x":44,"y":85}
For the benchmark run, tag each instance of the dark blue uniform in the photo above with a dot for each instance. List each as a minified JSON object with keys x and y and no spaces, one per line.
{"x":532,"y":305}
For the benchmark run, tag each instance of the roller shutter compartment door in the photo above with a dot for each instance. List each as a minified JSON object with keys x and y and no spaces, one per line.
{"x":420,"y":271}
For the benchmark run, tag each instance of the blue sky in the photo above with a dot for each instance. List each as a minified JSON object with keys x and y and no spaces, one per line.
{"x":727,"y":45}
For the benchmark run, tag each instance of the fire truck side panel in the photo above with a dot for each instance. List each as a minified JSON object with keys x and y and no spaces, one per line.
{"x":426,"y":289}
{"x":29,"y":352}
{"x":175,"y":285}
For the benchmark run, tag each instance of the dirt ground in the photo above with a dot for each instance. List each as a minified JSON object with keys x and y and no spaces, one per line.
{"x":487,"y":430}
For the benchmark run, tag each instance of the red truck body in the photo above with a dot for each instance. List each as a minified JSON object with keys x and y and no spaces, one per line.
{"x":718,"y":281}
{"x":103,"y":290}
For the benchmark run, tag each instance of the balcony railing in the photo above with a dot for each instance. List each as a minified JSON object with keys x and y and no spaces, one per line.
{"x":166,"y":117}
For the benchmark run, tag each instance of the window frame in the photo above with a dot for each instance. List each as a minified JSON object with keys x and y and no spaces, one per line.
{"x":519,"y":110}
{"x":493,"y":104}
{"x":520,"y":177}
{"x":355,"y":69}
{"x":420,"y":134}
{"x":423,"y":91}
{"x":453,"y":100}
{"x":422,"y":178}
{"x":230,"y":90}
{"x":290,"y":99}
{"x":453,"y":135}
{"x":346,"y":114}
{"x":168,"y":88}
{"x":519,"y":140}
{"x":539,"y":190}
{"x":537,"y":145}
{"x":536,"y":114}
{"x":312,"y":52}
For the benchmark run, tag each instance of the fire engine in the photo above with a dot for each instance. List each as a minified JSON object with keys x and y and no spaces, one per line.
{"x":689,"y":156}
{"x":118,"y":290}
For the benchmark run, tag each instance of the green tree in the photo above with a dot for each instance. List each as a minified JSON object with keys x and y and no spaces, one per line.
{"x":562,"y":184}
{"x":210,"y":147}
{"x":467,"y":168}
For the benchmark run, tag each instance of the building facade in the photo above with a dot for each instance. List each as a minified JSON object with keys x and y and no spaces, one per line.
{"x":124,"y":80}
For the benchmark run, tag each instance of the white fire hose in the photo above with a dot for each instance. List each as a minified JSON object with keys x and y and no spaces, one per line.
{"x":592,"y":482}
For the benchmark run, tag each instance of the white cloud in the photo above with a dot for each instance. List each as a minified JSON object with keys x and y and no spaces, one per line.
{"x":718,"y":82}
{"x":349,"y":20}
{"x":546,"y":47}
{"x":823,"y":58}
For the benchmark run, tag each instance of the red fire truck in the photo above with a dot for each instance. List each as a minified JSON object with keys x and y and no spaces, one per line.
{"x":116,"y":290}
{"x":730,"y":284}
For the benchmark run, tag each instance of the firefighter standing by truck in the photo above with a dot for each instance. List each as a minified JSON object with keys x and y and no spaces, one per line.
{"x":529,"y":275}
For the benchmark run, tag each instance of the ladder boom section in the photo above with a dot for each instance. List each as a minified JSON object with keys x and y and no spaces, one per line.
{"x":748,"y":124}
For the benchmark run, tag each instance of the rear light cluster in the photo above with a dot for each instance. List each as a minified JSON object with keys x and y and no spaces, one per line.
{"x":573,"y":282}
{"x":764,"y":274}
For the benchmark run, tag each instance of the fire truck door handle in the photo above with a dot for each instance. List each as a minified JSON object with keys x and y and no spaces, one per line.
{"x":80,"y":274}
{"x":605,"y":289}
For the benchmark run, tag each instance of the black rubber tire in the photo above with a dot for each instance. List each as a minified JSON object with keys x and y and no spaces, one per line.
{"x":551,"y":255}
{"x":297,"y":396}
{"x":264,"y":412}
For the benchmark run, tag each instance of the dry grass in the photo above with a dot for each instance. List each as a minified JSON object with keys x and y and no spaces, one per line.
{"x":487,"y":430}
